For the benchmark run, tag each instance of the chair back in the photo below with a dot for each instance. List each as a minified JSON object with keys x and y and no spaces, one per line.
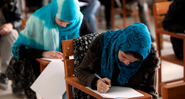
{"x":174,"y":91}
{"x":160,"y":9}
{"x":24,"y":23}
{"x":67,"y":48}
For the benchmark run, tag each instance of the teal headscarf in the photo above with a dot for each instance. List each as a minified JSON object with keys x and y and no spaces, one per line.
{"x":135,"y":38}
{"x":42,"y":32}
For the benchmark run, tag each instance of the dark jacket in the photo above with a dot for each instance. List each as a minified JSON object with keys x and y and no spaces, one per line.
{"x":174,"y":21}
{"x":12,"y":13}
{"x":145,"y":79}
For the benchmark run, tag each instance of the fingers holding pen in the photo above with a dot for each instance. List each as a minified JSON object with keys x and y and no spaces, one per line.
{"x":103,"y":87}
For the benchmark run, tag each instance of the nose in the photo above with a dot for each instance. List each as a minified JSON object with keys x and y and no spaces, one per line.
{"x":126,"y":62}
{"x":64,"y":25}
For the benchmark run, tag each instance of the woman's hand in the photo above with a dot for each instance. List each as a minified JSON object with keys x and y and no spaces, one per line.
{"x":52,"y":54}
{"x":103,"y":87}
{"x":6,"y":28}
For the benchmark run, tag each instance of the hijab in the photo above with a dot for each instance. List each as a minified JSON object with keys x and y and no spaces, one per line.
{"x":43,"y":33}
{"x":135,"y":38}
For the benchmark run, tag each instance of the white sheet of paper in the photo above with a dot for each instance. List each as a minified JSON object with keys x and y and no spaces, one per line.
{"x":51,"y":84}
{"x":119,"y":92}
{"x":49,"y":59}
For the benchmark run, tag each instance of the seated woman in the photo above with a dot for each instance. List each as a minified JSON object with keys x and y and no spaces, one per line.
{"x":174,"y":22}
{"x":122,"y":58}
{"x":45,"y":29}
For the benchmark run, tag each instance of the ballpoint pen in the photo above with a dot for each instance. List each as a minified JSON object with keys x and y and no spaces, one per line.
{"x":100,"y":78}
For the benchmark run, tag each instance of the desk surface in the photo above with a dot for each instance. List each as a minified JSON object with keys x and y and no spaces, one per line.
{"x":74,"y":81}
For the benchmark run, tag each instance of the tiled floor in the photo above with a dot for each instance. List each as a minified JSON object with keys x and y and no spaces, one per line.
{"x":169,"y":71}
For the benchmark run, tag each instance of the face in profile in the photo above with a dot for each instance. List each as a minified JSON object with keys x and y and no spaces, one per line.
{"x":126,"y":58}
{"x":61,"y":23}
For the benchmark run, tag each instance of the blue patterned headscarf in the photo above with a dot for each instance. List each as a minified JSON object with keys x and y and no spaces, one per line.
{"x":42,"y":32}
{"x":135,"y":38}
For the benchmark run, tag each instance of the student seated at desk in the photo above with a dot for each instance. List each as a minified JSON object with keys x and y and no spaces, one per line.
{"x":122,"y":58}
{"x":45,"y":29}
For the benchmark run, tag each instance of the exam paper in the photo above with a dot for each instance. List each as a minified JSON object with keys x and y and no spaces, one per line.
{"x":51,"y":84}
{"x":119,"y":92}
{"x":49,"y":59}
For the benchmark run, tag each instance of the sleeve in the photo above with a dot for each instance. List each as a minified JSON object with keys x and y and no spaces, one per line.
{"x":151,"y":64}
{"x":15,"y":16}
{"x":30,"y":53}
{"x":172,"y":21}
{"x":85,"y":28}
{"x":91,"y":64}
{"x":151,"y":86}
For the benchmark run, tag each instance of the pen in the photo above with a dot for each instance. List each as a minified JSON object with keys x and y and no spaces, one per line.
{"x":100,"y":78}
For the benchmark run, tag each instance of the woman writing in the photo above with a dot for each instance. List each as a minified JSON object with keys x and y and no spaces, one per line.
{"x":45,"y":29}
{"x":122,"y":58}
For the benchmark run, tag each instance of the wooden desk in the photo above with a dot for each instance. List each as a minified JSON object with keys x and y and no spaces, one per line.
{"x":43,"y":63}
{"x":74,"y":81}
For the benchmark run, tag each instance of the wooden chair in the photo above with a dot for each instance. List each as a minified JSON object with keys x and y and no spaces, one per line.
{"x":124,"y":13}
{"x":24,"y":23}
{"x":174,"y":91}
{"x":159,"y":10}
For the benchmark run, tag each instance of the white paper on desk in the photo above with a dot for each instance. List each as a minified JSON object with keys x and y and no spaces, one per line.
{"x":119,"y":92}
{"x":51,"y":84}
{"x":50,"y":59}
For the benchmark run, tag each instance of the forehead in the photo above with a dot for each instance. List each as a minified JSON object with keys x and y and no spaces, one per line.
{"x":57,"y":19}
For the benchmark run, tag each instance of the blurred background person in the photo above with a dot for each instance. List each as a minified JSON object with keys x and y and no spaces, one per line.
{"x":89,"y":12}
{"x":174,"y":22}
{"x":10,"y":24}
{"x":142,"y":7}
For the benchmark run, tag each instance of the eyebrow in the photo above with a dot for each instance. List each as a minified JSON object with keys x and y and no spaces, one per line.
{"x":123,"y":55}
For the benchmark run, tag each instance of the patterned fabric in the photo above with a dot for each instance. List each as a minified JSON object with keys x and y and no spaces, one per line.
{"x":42,"y":32}
{"x":21,"y":72}
{"x":135,"y":38}
{"x":80,"y":47}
